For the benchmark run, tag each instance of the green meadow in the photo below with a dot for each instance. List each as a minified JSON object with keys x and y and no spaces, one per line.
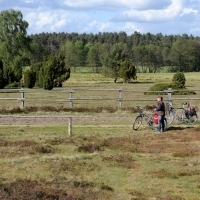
{"x":105,"y":158}
{"x":103,"y":92}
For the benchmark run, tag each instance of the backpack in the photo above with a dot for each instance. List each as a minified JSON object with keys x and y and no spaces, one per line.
{"x":190,"y":112}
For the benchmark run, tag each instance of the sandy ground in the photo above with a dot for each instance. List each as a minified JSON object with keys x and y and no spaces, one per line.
{"x":52,"y":120}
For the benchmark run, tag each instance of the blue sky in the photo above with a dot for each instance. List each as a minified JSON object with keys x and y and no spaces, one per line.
{"x":93,"y":16}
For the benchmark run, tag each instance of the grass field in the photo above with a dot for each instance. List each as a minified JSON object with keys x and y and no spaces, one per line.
{"x":105,"y":158}
{"x":84,"y":86}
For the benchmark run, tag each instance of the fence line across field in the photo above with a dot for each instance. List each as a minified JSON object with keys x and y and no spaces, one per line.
{"x":72,"y":99}
{"x":48,"y":116}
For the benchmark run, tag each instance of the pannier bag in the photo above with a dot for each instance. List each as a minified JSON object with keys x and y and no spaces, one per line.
{"x":155,"y":118}
{"x":190,"y":112}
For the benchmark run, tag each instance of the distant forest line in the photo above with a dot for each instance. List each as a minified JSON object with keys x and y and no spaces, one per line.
{"x":46,"y":59}
{"x":146,"y":51}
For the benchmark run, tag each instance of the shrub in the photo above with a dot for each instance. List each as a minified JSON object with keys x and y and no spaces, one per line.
{"x":47,"y":83}
{"x":48,"y":80}
{"x":29,"y":78}
{"x":178,"y":84}
{"x":1,"y":79}
{"x":127,"y":71}
{"x":38,"y":72}
{"x":57,"y":82}
{"x":158,"y":88}
{"x":179,"y":80}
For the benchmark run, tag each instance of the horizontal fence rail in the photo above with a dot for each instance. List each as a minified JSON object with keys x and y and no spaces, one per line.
{"x":48,"y":116}
{"x":71,"y":99}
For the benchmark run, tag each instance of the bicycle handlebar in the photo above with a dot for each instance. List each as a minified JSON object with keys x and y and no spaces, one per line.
{"x":144,"y":109}
{"x":184,"y":104}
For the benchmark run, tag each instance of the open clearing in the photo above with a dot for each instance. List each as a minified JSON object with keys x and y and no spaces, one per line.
{"x":104,"y":159}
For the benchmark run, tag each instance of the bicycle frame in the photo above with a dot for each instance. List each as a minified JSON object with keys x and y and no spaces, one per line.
{"x":171,"y":114}
{"x":143,"y":116}
{"x":181,"y":117}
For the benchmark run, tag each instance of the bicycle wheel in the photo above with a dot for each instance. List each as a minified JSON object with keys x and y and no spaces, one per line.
{"x":150,"y":123}
{"x":168,"y":106}
{"x":137,"y":123}
{"x":184,"y":119}
{"x":193,"y":119}
{"x":169,"y":115}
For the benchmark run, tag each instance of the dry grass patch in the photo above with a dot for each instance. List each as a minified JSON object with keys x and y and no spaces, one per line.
{"x":123,"y":160}
{"x":23,"y":147}
{"x":162,"y":173}
{"x":90,"y":148}
{"x":99,"y":163}
{"x":22,"y":143}
{"x":42,"y":190}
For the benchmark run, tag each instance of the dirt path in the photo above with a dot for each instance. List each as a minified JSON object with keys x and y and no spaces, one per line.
{"x":59,"y":120}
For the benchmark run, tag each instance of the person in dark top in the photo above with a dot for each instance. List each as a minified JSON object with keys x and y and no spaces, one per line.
{"x":160,"y":109}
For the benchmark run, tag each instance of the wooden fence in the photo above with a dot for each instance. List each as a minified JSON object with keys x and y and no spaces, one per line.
{"x":71,"y":98}
{"x":22,"y":98}
{"x":48,"y":116}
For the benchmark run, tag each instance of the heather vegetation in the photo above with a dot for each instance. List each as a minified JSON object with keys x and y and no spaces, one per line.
{"x":104,"y":159}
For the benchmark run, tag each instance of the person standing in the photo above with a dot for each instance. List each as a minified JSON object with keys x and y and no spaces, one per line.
{"x":160,"y":109}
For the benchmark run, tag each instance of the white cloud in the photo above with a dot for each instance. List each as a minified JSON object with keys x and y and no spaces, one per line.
{"x":174,"y":16}
{"x":29,"y":1}
{"x":106,"y":27}
{"x":188,"y":11}
{"x":130,"y":27}
{"x":172,"y":11}
{"x":90,"y":4}
{"x":144,"y":4}
{"x":49,"y":21}
{"x":195,"y":31}
{"x":113,"y":4}
{"x":45,"y":19}
{"x":96,"y":26}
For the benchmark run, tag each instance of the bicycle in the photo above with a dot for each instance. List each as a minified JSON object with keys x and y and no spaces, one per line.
{"x":148,"y":119}
{"x":186,"y":116}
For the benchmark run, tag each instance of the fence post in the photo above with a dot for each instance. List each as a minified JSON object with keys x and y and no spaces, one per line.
{"x":70,"y":98}
{"x":70,"y":126}
{"x":22,"y":99}
{"x":169,"y":95}
{"x":120,"y":98}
